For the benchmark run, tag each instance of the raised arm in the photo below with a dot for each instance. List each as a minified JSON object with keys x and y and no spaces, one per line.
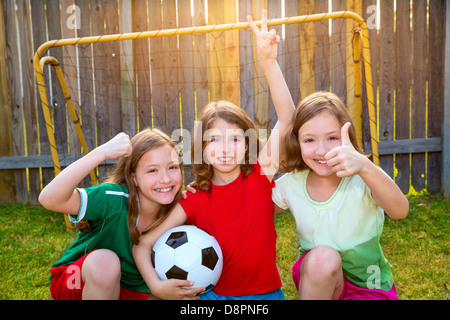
{"x":60,"y":194}
{"x":267,"y":42}
{"x":163,"y":289}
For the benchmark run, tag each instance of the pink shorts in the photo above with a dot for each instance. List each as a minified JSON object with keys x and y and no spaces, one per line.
{"x":350,"y":291}
{"x":67,"y":283}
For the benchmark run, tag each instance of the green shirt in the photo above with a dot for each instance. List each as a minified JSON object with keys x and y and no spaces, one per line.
{"x":106,"y":208}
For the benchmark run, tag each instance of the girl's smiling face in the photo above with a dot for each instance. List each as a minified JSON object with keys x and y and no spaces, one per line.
{"x":225,"y":147}
{"x":316,"y":138}
{"x":158,"y":175}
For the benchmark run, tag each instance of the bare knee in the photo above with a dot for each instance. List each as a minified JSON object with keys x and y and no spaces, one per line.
{"x":102,"y":269}
{"x":322,"y":263}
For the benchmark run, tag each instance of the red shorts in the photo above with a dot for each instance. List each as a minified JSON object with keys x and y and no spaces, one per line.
{"x":67,"y":283}
{"x":350,"y":291}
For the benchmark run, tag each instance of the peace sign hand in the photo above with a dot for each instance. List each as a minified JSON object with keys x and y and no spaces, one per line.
{"x":345,"y":160}
{"x":266,"y":40}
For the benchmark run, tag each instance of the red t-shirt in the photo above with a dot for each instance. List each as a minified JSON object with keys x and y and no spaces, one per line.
{"x":240,"y":216}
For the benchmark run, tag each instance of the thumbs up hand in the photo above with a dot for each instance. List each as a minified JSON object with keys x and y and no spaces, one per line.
{"x":345,"y":160}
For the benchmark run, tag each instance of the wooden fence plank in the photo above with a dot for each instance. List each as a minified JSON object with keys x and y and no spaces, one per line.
{"x":114,"y":69}
{"x":86,"y":77}
{"x":15,"y":98}
{"x":307,"y":50}
{"x":42,"y":161}
{"x":101,"y":87}
{"x":338,"y":75}
{"x":86,"y":82}
{"x":405,"y":146}
{"x":28,"y":96}
{"x":186,"y":83}
{"x":7,"y":181}
{"x":245,"y":60}
{"x":200,"y":56}
{"x":350,"y":25}
{"x":142,"y":61}
{"x":39,"y":37}
{"x":157,"y":67}
{"x":127,"y":74}
{"x":231,"y":42}
{"x":386,"y":107}
{"x":216,"y":51}
{"x":260,"y":85}
{"x":370,"y":16}
{"x":70,"y":61}
{"x":435,"y":90}
{"x":56,"y":99}
{"x":403,"y":90}
{"x":274,"y":11}
{"x":418,"y":99}
{"x":171,"y":89}
{"x":291,"y":51}
{"x":446,"y":115}
{"x":187,"y":88}
{"x":322,"y":50}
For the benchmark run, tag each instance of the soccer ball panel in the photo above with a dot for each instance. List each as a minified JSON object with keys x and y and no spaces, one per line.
{"x":201,"y":276}
{"x":177,"y":239}
{"x":161,"y":275}
{"x":164,"y":259}
{"x":176,"y":273}
{"x":198,"y":237}
{"x":209,"y":257}
{"x":188,"y":256}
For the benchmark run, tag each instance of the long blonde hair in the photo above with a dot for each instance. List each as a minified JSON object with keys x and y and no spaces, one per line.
{"x":143,"y":142}
{"x":307,"y":109}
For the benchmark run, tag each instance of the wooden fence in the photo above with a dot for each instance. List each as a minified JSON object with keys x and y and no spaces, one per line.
{"x":185,"y":72}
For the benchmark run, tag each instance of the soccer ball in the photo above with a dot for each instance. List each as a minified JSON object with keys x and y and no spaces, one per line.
{"x":188,"y":253}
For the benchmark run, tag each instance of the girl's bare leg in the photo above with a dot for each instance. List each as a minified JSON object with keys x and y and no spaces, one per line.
{"x":321,"y":275}
{"x":101,"y":275}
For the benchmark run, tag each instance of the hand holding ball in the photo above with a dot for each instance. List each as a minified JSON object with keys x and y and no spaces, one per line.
{"x":188,"y":253}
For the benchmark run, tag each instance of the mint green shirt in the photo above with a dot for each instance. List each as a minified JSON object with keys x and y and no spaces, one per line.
{"x":350,"y":222}
{"x":106,"y":207}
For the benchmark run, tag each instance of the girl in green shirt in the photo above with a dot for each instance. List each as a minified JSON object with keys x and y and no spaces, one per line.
{"x":137,"y":197}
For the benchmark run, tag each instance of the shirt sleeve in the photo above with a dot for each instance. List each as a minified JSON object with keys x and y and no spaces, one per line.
{"x":95,"y":201}
{"x":278,"y":193}
{"x":189,"y":205}
{"x":261,"y":176}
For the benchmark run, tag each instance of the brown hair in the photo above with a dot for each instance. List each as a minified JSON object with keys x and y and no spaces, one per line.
{"x":144,"y":141}
{"x":234,"y":115}
{"x":307,"y":109}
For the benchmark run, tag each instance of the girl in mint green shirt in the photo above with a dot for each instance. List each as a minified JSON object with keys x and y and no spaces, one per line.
{"x":337,"y":196}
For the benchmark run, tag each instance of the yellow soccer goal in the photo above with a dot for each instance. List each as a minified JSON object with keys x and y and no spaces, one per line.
{"x":162,"y":78}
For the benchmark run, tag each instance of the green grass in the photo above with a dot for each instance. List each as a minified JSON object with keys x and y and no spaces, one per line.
{"x":32,"y":239}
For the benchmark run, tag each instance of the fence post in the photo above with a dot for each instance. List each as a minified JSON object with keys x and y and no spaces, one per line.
{"x":7,"y":181}
{"x":446,"y":122}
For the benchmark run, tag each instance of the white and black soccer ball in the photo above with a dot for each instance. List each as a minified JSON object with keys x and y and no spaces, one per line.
{"x":188,"y":253}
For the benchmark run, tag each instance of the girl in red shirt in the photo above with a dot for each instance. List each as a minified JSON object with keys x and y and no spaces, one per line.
{"x":233,"y":199}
